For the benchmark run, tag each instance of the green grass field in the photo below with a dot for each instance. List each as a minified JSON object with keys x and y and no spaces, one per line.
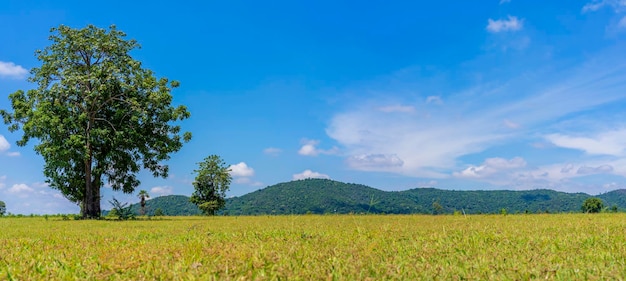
{"x":334,"y":247}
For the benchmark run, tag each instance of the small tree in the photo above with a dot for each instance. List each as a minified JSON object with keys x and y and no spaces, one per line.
{"x":158,"y":212}
{"x":437,"y":208}
{"x":592,"y":205}
{"x":142,"y":196}
{"x":3,"y":208}
{"x":211,"y":183}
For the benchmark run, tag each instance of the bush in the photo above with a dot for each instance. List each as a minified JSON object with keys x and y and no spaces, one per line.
{"x":122,"y":212}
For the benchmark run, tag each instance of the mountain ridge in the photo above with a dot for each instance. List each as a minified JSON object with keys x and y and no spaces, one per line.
{"x":323,"y":196}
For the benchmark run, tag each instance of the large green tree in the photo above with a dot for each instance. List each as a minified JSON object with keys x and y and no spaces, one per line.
{"x":592,"y":205}
{"x":3,"y":208}
{"x":97,"y":114}
{"x":212,"y":181}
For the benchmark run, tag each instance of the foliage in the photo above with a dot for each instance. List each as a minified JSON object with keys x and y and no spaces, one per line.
{"x":592,"y":205}
{"x":337,"y":247}
{"x":97,"y":115}
{"x":211,"y":183}
{"x":121,"y":211}
{"x":3,"y":208}
{"x":142,"y":197}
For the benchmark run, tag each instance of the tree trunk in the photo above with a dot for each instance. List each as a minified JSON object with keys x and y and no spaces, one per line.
{"x":91,"y":200}
{"x":92,"y":208}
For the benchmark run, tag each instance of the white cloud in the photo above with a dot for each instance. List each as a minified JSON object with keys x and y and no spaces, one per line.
{"x":35,"y":198}
{"x":241,"y":170}
{"x":272,"y":151}
{"x":13,"y":154}
{"x":512,"y":24}
{"x":309,"y":148}
{"x":11,"y":70}
{"x":20,"y":189}
{"x":161,"y":191}
{"x":491,"y":166}
{"x":241,"y":173}
{"x":397,"y":108}
{"x":606,"y":143}
{"x":4,"y":144}
{"x":308,"y":174}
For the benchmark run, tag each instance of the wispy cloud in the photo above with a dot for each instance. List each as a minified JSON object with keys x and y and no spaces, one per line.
{"x":308,"y":174}
{"x":482,"y":116}
{"x":20,"y":189}
{"x":434,"y":100}
{"x":491,"y":166}
{"x":606,"y":143}
{"x":4,"y":144}
{"x":504,"y":25}
{"x":397,"y":108}
{"x":272,"y":151}
{"x":602,"y":169}
{"x":617,"y":5}
{"x":13,"y":154}
{"x":375,"y":161}
{"x":11,"y":70}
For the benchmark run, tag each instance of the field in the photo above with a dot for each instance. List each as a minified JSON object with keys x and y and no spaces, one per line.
{"x":333,"y":247}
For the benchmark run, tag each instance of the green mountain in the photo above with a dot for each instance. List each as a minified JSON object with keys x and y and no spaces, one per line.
{"x":320,"y":196}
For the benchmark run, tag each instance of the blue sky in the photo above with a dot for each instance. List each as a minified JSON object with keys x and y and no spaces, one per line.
{"x":450,"y":94}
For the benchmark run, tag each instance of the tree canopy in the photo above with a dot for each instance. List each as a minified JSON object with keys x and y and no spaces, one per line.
{"x":592,"y":205}
{"x":97,"y":114}
{"x":3,"y":208}
{"x":211,"y":183}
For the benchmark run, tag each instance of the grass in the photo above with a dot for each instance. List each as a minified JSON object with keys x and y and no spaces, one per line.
{"x":334,"y":247}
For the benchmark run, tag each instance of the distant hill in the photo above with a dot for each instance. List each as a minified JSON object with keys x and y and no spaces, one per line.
{"x":320,"y":196}
{"x":171,"y":205}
